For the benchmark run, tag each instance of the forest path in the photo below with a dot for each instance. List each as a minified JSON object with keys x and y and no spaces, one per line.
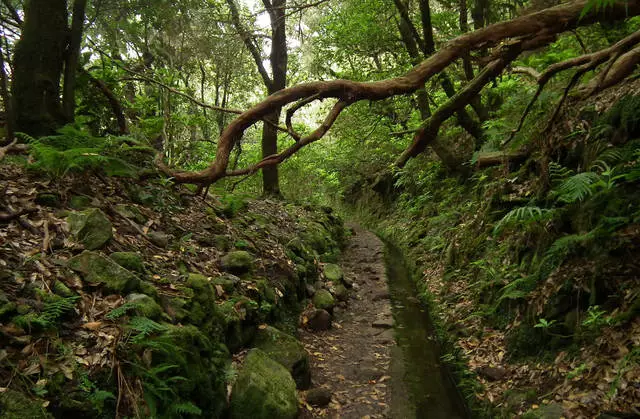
{"x":381,"y":358}
{"x":353,"y":358}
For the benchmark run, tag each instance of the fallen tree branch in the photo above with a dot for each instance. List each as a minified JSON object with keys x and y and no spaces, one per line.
{"x":4,"y":150}
{"x":13,"y":215}
{"x":542,"y":25}
{"x":528,"y":71}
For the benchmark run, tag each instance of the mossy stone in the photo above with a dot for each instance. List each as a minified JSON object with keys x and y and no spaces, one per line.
{"x":128,"y":260}
{"x":16,"y":405}
{"x":340,"y":292}
{"x":238,"y":262}
{"x":148,"y":288}
{"x":91,"y":227}
{"x":131,"y":212}
{"x":48,"y":199}
{"x":99,"y":270}
{"x":145,"y":306}
{"x":333,"y":273}
{"x":222,"y":242}
{"x":177,"y":308}
{"x":7,"y":308}
{"x":264,"y":390}
{"x":323,"y":300}
{"x":159,"y":238}
{"x":287,"y":351}
{"x":79,"y":202}
{"x":62,"y":289}
{"x":227,"y":282}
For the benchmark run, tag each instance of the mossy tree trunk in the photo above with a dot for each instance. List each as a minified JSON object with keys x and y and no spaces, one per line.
{"x":38,"y":63}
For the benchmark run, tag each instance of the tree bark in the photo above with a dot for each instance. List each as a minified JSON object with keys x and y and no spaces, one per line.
{"x":38,"y":62}
{"x":73,"y":56}
{"x":6,"y":98}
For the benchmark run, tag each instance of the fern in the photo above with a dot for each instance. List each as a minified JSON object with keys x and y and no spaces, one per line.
{"x":186,"y":409}
{"x":145,"y":327}
{"x":118,"y":312}
{"x":559,"y":173}
{"x":51,"y":313}
{"x":577,"y":188}
{"x":522,"y":215}
{"x":567,"y":245}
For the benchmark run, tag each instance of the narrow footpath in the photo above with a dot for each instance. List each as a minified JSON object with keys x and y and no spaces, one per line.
{"x":359,"y":360}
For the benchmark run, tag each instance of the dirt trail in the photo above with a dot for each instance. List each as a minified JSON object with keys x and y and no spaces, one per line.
{"x":353,"y":358}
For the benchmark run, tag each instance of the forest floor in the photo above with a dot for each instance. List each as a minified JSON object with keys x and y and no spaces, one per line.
{"x":352,"y":359}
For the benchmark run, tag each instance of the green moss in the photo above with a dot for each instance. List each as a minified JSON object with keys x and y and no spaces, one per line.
{"x":91,"y":227}
{"x":79,"y":202}
{"x":15,"y":405}
{"x":324,"y":300}
{"x":48,"y":199}
{"x":333,"y":273}
{"x":145,"y":306}
{"x":131,"y":212}
{"x":128,"y":260}
{"x":61,"y":289}
{"x":264,"y":390}
{"x":99,"y":270}
{"x":287,"y":351}
{"x":238,"y":262}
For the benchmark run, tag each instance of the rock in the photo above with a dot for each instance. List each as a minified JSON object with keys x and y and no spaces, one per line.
{"x":149,"y":289}
{"x":319,"y":320}
{"x":62,"y":289}
{"x":383,"y":323}
{"x":99,"y":270}
{"x":145,"y":306}
{"x":341,"y":293}
{"x":380,"y":295}
{"x":264,"y":390}
{"x":131,"y":212}
{"x":228,"y":282}
{"x":128,"y":260}
{"x":310,"y":289}
{"x":238,"y":262}
{"x":318,"y":397}
{"x":79,"y":202}
{"x":91,"y":227}
{"x":386,"y":337}
{"x":492,"y":373}
{"x":288,"y":352}
{"x":323,"y":300}
{"x":549,"y":411}
{"x":158,"y":238}
{"x":333,"y":273}
{"x":48,"y":199}
{"x":319,"y":285}
{"x":222,"y":242}
{"x":347,"y":281}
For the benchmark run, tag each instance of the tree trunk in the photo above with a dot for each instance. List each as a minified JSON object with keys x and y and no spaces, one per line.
{"x":6,"y":98}
{"x":38,"y":62}
{"x":73,"y":56}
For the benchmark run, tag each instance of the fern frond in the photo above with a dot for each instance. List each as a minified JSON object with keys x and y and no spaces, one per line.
{"x":145,"y":327}
{"x":118,"y":312}
{"x":521,"y":215}
{"x":577,"y":187}
{"x":186,"y":408}
{"x":559,"y":173}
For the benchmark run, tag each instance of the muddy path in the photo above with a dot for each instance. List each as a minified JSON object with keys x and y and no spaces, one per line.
{"x":380,"y":359}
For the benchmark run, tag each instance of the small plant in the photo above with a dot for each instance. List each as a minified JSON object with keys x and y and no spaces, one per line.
{"x":544,"y":324}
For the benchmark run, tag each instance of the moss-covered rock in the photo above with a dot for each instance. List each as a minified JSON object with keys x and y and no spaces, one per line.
{"x":264,"y":390}
{"x":128,"y":260}
{"x":15,"y":405}
{"x":333,"y":273}
{"x":340,"y":292}
{"x":131,"y":212}
{"x":48,"y":199}
{"x":99,"y":270}
{"x":79,"y":202}
{"x":159,"y":238}
{"x":228,"y":282}
{"x":91,"y":227}
{"x":287,"y":351}
{"x":238,"y":262}
{"x":6,"y":307}
{"x":323,"y":300}
{"x":145,"y":306}
{"x":62,"y":289}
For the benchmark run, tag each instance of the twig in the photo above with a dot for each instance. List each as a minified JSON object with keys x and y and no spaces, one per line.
{"x":47,"y":237}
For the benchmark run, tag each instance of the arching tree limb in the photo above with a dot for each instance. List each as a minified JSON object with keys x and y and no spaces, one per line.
{"x":588,"y":62}
{"x":543,"y":24}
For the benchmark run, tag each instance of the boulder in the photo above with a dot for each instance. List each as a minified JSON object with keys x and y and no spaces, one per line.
{"x":264,"y":390}
{"x":91,"y":227}
{"x":158,"y":238}
{"x":287,"y":351}
{"x":323,"y":300}
{"x":319,"y":320}
{"x":340,"y":292}
{"x":318,"y":397}
{"x":238,"y":262}
{"x":145,"y":306}
{"x":128,"y":260}
{"x":99,"y":270}
{"x":333,"y":273}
